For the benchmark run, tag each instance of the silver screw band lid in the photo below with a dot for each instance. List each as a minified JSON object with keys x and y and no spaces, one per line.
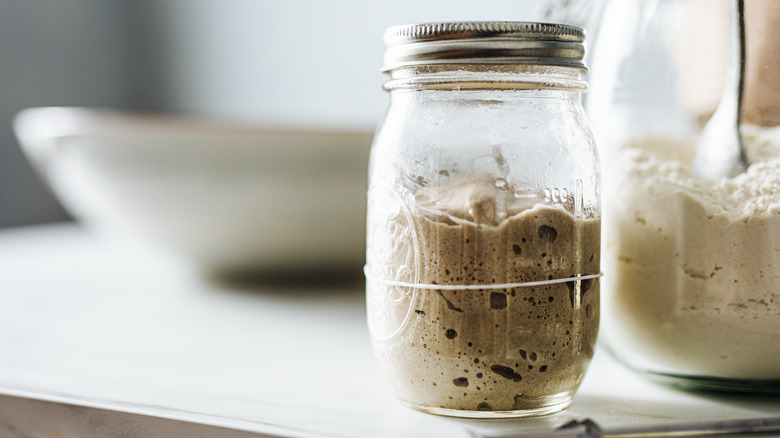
{"x":484,"y":42}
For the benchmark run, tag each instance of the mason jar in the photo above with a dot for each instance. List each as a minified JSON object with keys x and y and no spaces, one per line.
{"x":692,"y":262}
{"x":484,"y":219}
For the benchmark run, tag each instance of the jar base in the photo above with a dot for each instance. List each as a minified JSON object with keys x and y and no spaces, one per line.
{"x":556,"y":404}
{"x":689,"y":382}
{"x":714,"y":384}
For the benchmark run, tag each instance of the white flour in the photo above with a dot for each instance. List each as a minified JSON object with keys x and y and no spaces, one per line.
{"x":693,"y":266}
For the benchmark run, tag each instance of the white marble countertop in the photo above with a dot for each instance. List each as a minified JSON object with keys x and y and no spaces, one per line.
{"x":84,"y":324}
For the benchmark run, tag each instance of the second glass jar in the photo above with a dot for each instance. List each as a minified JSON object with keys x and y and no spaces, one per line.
{"x":692,"y":293}
{"x":484,"y":220}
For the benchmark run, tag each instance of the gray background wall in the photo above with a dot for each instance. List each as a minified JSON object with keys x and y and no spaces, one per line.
{"x":305,"y":62}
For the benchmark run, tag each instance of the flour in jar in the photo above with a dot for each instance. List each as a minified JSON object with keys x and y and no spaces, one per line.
{"x":486,"y":349}
{"x":693,"y":265}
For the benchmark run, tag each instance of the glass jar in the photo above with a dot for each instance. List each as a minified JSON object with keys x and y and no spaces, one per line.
{"x":484,"y":220}
{"x":692,"y":286}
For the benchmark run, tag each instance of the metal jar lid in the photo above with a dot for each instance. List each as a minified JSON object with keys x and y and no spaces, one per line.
{"x":484,"y":42}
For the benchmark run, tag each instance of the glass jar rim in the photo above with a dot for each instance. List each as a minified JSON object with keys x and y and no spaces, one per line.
{"x":486,"y":77}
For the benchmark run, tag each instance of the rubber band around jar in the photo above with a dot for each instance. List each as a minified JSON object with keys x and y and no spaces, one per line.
{"x":478,"y":286}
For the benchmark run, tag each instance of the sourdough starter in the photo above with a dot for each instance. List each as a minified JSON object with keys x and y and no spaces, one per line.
{"x":494,"y":349}
{"x":693,"y":266}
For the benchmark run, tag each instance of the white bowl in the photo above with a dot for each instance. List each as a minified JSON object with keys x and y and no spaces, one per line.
{"x":232,"y":199}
